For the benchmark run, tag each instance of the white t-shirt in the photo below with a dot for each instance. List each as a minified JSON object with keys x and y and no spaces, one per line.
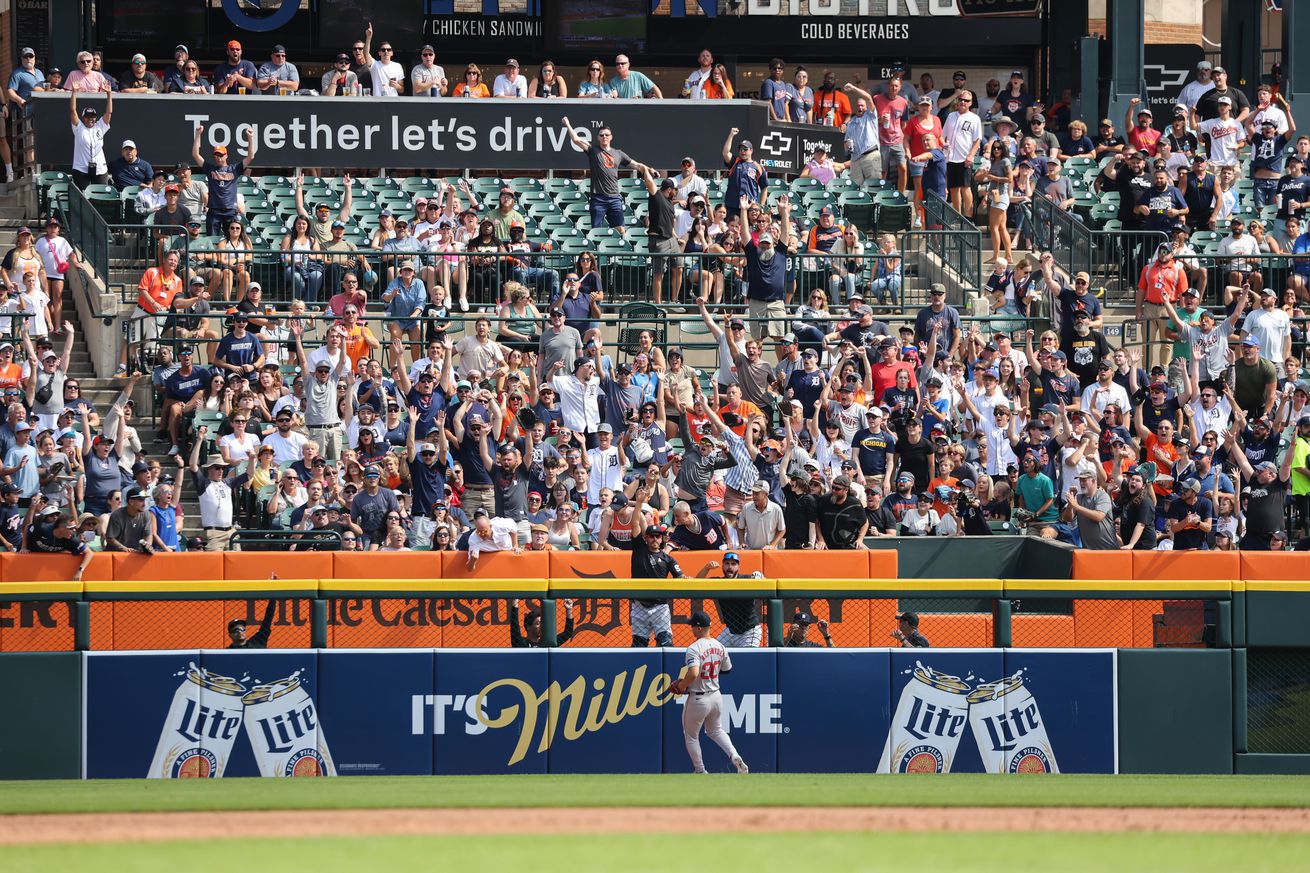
{"x":1272,"y":328}
{"x":504,"y":87}
{"x":383,"y":73}
{"x":1192,"y":93}
{"x":606,"y":472}
{"x":53,"y":251}
{"x":504,"y":537}
{"x":1069,"y":472}
{"x":961,"y":131}
{"x":1243,"y":245}
{"x":1273,"y":113}
{"x":1215,"y":418}
{"x":1225,"y":139}
{"x":286,"y":448}
{"x":577,"y":402}
{"x":710,"y":658}
{"x":423,"y":75}
{"x":35,"y":303}
{"x":238,"y":449}
{"x":322,"y":354}
{"x":1096,"y":398}
{"x":89,"y":147}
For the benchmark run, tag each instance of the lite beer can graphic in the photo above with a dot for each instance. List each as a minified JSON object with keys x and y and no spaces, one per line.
{"x":201,"y":727}
{"x":282,"y":724}
{"x":927,"y":725}
{"x":1008,"y":728}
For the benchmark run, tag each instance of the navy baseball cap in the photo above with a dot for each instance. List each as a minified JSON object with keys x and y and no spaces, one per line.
{"x":699,"y":618}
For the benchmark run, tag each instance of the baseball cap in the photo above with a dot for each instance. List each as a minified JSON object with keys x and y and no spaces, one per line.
{"x":605,"y":428}
{"x":667,"y":184}
{"x":699,"y":618}
{"x":1204,"y":65}
{"x":1226,"y":99}
{"x":802,"y":618}
{"x":233,"y":44}
{"x":1250,"y":341}
{"x":910,"y":618}
{"x":1191,"y":485}
{"x":1086,"y":473}
{"x":925,"y":100}
{"x":732,"y":556}
{"x":28,"y":53}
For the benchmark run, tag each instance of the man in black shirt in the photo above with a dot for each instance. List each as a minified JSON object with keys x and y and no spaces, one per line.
{"x":236,"y":629}
{"x":882,"y":521}
{"x":800,"y":512}
{"x":914,"y":452}
{"x":650,"y":561}
{"x":606,"y":199}
{"x":842,"y":521}
{"x":1128,"y":176}
{"x":743,"y":627}
{"x":1198,"y":193}
{"x":662,"y":240}
{"x":1208,"y":106}
{"x":800,"y":625}
{"x":1268,"y":485}
{"x":530,"y":636}
{"x":907,"y":631}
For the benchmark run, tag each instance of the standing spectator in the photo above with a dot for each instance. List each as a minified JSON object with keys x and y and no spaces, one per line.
{"x":130,"y":527}
{"x":692,"y":88}
{"x":510,"y":84}
{"x":632,"y":84}
{"x":1090,"y":506}
{"x":891,"y":109}
{"x":1268,"y":484}
{"x":1162,"y":206}
{"x":1194,"y":90}
{"x":831,"y":106}
{"x":222,"y":178}
{"x":89,"y":131}
{"x":842,"y":521}
{"x":802,"y":105}
{"x":1141,"y":135}
{"x":937,"y":315}
{"x":388,"y":77}
{"x":662,"y":241}
{"x":234,"y":75}
{"x":863,"y":145}
{"x":962,"y":133}
{"x":139,"y":80}
{"x":777,"y":93}
{"x":1207,"y":105}
{"x":157,"y":293}
{"x":1268,"y":152}
{"x":605,"y":161}
{"x":57,"y":257}
{"x":23,"y":81}
{"x":746,"y":176}
{"x":278,"y":76}
{"x":1191,"y":517}
{"x":800,"y":512}
{"x":1271,"y":327}
{"x":1222,"y":134}
{"x":340,"y":80}
{"x":760,"y":524}
{"x":766,"y":269}
{"x":1035,"y":492}
{"x":428,"y":79}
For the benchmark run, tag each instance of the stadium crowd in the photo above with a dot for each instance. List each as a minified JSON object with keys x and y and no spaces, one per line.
{"x":456,"y":392}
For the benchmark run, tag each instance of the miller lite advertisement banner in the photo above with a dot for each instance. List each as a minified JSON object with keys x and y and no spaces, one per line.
{"x":209,"y":714}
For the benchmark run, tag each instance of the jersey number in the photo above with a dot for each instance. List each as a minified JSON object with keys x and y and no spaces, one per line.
{"x":710,"y":669}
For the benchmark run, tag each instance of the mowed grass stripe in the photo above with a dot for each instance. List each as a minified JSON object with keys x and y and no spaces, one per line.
{"x":696,"y":853}
{"x":757,"y":789}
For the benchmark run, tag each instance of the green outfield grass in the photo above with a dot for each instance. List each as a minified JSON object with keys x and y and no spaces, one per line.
{"x":762,"y":789}
{"x":717,"y":853}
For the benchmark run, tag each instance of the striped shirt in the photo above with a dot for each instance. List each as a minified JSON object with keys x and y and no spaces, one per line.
{"x":862,"y":131}
{"x":744,"y":475}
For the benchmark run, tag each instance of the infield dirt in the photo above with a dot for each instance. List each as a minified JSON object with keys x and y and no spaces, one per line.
{"x":132,"y":827}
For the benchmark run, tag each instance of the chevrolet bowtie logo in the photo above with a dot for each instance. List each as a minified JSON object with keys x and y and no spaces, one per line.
{"x":1167,"y":78}
{"x":776,"y":143}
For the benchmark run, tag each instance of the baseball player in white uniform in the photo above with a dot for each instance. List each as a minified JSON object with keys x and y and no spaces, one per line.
{"x":706,"y":660}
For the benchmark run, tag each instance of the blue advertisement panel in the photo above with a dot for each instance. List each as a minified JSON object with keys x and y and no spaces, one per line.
{"x":280,"y":734}
{"x":838,"y":709}
{"x":608,"y":716}
{"x":208,"y":714}
{"x":378,"y":706}
{"x":929,"y":730}
{"x":752,"y":713}
{"x":510,"y":732}
{"x":141,"y":717}
{"x":1076,"y":725}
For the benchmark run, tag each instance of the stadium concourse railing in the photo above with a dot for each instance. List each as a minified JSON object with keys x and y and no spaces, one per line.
{"x":1112,"y":257}
{"x":431,"y":599}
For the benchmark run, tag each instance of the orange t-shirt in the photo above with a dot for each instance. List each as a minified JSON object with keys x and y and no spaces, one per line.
{"x":11,"y":376}
{"x":1152,"y":444}
{"x":745,"y":411}
{"x":831,"y":102}
{"x":355,"y":344}
{"x":156,"y":291}
{"x":1159,"y":282}
{"x":712,"y":91}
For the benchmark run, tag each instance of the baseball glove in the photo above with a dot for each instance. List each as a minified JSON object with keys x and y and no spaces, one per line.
{"x":678,"y":687}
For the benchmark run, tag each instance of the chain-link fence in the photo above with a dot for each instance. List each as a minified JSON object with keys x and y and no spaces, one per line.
{"x":1119,"y":623}
{"x":36,"y":626}
{"x":118,"y":625}
{"x":946,"y":622}
{"x":1278,"y":700}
